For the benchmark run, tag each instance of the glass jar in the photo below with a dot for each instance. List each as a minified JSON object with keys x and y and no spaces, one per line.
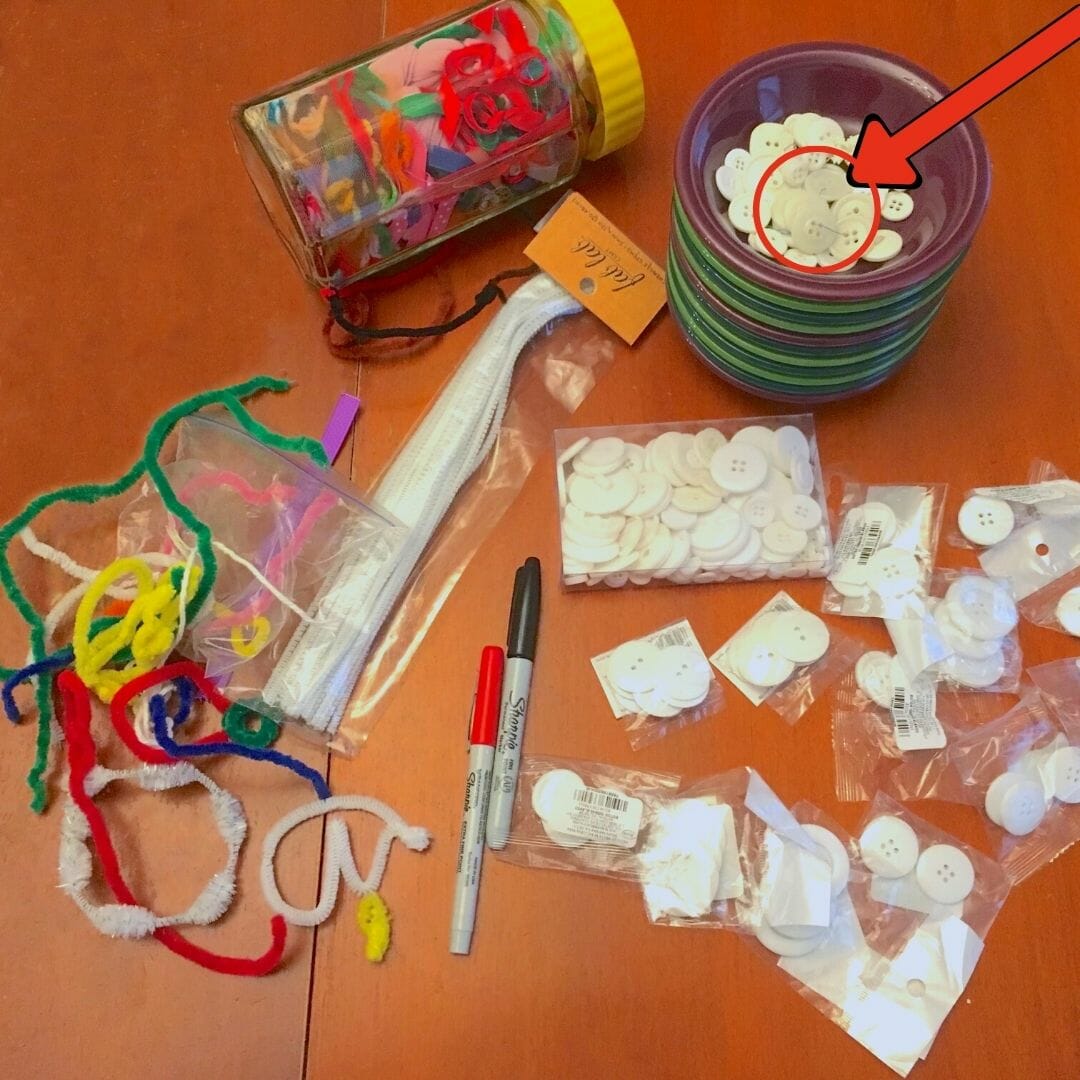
{"x":365,"y":163}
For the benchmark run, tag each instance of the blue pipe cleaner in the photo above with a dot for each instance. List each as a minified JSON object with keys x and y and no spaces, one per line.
{"x":49,"y":663}
{"x":159,"y":714}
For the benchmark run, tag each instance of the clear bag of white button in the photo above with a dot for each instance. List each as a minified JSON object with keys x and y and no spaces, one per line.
{"x":885,"y":549}
{"x":1059,"y":684}
{"x":658,"y":683}
{"x":929,"y":903}
{"x":694,"y":502}
{"x":584,"y":816}
{"x":906,"y":754}
{"x":988,"y":515}
{"x":785,"y":657}
{"x":694,"y":865}
{"x":963,"y":634}
{"x":1024,"y":770}
{"x":1056,"y":605}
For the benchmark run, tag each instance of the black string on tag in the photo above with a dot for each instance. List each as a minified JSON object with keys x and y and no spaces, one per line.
{"x":491,"y":292}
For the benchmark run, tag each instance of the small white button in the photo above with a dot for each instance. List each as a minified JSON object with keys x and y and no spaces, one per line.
{"x":717,"y":529}
{"x":772,"y":139}
{"x":606,"y":454}
{"x":896,"y":206}
{"x":589,"y":555}
{"x":839,"y":859}
{"x":1065,"y":769}
{"x":785,"y":202}
{"x":857,"y":205}
{"x":789,"y":444}
{"x":652,"y":495}
{"x":782,"y":539}
{"x":777,"y":239}
{"x":985,"y":521}
{"x":851,"y":235}
{"x":802,"y":476}
{"x":695,"y":500}
{"x":945,"y":874}
{"x":741,"y":211}
{"x":885,"y":245}
{"x":801,"y":512}
{"x":635,"y":666}
{"x":981,"y":608}
{"x":889,"y":847}
{"x":800,"y":257}
{"x":758,"y":167}
{"x":874,"y":677}
{"x":759,"y":510}
{"x":726,"y":178}
{"x":1068,"y":611}
{"x":828,"y":183}
{"x":800,"y":636}
{"x":756,"y":435}
{"x":795,"y":171}
{"x":675,"y":518}
{"x":739,"y":467}
{"x":738,"y":159}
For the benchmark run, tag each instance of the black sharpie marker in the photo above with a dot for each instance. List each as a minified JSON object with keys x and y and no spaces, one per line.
{"x":517,"y":678}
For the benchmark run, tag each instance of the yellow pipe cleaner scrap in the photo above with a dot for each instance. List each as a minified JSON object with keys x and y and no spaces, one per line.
{"x":373,"y":918}
{"x":149,"y":626}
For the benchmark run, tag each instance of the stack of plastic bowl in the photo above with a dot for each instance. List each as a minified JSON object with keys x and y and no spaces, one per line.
{"x":792,"y":336}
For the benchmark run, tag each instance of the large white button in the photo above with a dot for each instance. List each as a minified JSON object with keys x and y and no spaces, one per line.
{"x":974,"y":674}
{"x":896,"y":206}
{"x":760,"y":663}
{"x":589,"y":555}
{"x":771,"y":139}
{"x":553,"y":789}
{"x":985,"y":521}
{"x":684,"y":675}
{"x":695,"y":500}
{"x":945,"y":874}
{"x":892,"y":573}
{"x":635,"y":666}
{"x":651,"y":497}
{"x":675,"y":518}
{"x":1065,"y":769}
{"x":717,"y":529}
{"x":802,"y":476}
{"x":800,"y":636}
{"x":602,"y":494}
{"x":962,"y":644}
{"x":813,"y":226}
{"x":889,"y":847}
{"x":981,"y":608}
{"x":739,"y":467}
{"x":1068,"y":611}
{"x":1016,"y":803}
{"x":839,"y":859}
{"x":783,"y":945}
{"x":706,"y":442}
{"x":874,"y":677}
{"x":781,"y":539}
{"x":851,"y":233}
{"x":605,"y":454}
{"x":828,"y":183}
{"x":885,"y":245}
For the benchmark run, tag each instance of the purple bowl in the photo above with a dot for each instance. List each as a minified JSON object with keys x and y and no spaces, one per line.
{"x":846,"y":82}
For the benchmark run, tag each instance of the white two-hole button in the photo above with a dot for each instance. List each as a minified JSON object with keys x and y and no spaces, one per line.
{"x":770,"y":139}
{"x":761,"y":663}
{"x":800,"y":636}
{"x":634,"y":667}
{"x":889,"y":847}
{"x":985,"y":521}
{"x":684,"y":676}
{"x":945,"y":874}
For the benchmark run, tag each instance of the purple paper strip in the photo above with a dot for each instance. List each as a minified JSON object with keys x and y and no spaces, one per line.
{"x":339,"y":425}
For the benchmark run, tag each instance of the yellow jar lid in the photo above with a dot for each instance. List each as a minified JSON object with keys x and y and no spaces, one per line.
{"x":614,"y":63}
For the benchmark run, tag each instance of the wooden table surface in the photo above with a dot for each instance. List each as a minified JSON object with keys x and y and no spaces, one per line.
{"x":138,"y":268}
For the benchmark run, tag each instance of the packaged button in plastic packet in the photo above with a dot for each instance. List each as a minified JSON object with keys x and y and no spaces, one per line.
{"x":885,"y":550}
{"x":1024,"y":770}
{"x":658,"y":683}
{"x":963,"y":634}
{"x":1035,"y":556}
{"x":894,"y":734}
{"x":988,"y":515}
{"x":930,"y":902}
{"x":785,"y":657}
{"x":692,"y":502}
{"x":584,"y":816}
{"x":694,"y":864}
{"x":1056,"y":605}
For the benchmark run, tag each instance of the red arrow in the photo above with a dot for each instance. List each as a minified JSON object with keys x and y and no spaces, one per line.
{"x":882,"y":157}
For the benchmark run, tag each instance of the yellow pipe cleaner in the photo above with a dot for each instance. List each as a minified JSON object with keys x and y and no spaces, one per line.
{"x":373,"y":918}
{"x":149,"y":626}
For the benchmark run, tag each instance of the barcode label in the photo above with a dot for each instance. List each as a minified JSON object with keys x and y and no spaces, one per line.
{"x":601,"y":798}
{"x":870,"y":541}
{"x":914,"y":714}
{"x":680,"y":634}
{"x":601,"y":817}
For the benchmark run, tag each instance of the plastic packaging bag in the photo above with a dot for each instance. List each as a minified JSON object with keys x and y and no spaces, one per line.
{"x":964,"y":634}
{"x":928,"y":944}
{"x":990,"y":514}
{"x":785,"y":657}
{"x":584,"y":816}
{"x":697,"y":861}
{"x":1056,"y":605}
{"x":885,"y":549}
{"x":1036,"y":555}
{"x":906,"y":756}
{"x":701,"y":501}
{"x":658,"y":683}
{"x":1059,"y":684}
{"x":1024,"y":770}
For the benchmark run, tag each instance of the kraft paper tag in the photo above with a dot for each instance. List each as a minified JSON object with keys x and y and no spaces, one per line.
{"x":598,"y":265}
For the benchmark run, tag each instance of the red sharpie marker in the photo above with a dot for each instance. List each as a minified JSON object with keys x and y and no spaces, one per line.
{"x":482,"y":735}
